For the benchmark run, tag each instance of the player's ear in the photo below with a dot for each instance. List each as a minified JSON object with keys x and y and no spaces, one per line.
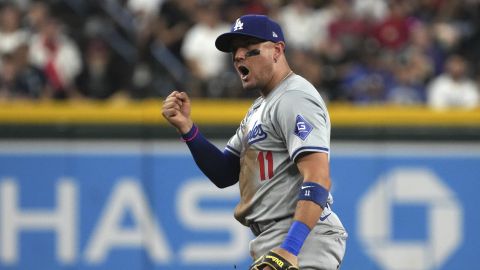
{"x":279,"y":49}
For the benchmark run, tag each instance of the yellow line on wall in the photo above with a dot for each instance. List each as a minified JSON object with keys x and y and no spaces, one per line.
{"x":219,"y":112}
{"x":347,"y":115}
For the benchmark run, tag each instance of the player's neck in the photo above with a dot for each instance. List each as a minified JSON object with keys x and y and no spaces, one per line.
{"x":276,"y":81}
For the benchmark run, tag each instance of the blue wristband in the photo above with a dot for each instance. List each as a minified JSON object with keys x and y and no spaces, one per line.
{"x":296,"y":236}
{"x":311,"y":191}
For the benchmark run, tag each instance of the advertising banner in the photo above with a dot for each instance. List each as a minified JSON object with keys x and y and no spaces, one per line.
{"x":145,"y":205}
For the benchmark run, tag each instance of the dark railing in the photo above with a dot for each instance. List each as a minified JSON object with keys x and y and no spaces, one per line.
{"x":124,"y":46}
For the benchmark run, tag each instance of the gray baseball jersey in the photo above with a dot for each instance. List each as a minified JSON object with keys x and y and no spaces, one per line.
{"x":291,"y":120}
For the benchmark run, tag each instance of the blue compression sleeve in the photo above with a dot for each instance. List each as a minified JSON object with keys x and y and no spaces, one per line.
{"x":222,"y":168}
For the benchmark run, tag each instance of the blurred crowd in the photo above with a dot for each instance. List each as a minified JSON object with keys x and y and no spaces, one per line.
{"x":406,"y":52}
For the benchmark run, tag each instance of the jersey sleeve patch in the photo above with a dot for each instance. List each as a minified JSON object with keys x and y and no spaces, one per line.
{"x":302,"y":128}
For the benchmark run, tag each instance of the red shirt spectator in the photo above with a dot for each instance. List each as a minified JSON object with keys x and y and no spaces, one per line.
{"x":394,"y":32}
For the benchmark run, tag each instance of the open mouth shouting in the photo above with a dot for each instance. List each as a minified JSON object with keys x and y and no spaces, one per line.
{"x":244,"y":71}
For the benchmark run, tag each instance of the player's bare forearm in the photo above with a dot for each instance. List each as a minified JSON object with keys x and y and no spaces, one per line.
{"x":308,"y":212}
{"x":314,"y":167}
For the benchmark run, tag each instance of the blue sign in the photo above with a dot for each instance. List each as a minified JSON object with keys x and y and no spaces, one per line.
{"x":408,"y":212}
{"x":146,"y":206}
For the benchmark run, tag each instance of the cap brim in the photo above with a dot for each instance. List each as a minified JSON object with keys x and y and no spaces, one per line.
{"x":224,"y":41}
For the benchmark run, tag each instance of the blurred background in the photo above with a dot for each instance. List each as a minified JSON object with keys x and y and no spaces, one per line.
{"x":92,"y":177}
{"x":361,"y":52}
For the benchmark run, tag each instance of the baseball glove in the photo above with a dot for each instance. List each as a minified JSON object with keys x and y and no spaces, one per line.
{"x":275,"y":261}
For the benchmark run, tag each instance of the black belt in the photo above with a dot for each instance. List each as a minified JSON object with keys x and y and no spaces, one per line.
{"x":258,"y":227}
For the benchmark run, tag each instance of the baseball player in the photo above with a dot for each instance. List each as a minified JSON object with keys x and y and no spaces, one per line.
{"x":279,"y":154}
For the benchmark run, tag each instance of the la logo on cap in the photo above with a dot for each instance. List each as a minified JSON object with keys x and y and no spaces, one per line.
{"x":238,"y":25}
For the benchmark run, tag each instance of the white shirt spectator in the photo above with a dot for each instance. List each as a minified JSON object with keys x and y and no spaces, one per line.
{"x":299,"y":24}
{"x":9,"y":42}
{"x":444,"y":93}
{"x":322,"y":18}
{"x":11,"y":33}
{"x":198,"y":46}
{"x":453,"y":88}
{"x":67,"y":60}
{"x":150,"y":7}
{"x":375,"y":10}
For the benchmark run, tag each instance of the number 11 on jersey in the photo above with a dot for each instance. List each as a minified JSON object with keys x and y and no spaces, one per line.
{"x":268,"y":157}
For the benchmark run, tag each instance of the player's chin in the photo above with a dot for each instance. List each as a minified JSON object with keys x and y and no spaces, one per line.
{"x":248,"y":85}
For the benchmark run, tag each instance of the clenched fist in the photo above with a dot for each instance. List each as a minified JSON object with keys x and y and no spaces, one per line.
{"x":176,"y":110}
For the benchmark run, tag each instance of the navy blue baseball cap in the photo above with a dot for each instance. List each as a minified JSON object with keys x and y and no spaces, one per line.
{"x":258,"y":26}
